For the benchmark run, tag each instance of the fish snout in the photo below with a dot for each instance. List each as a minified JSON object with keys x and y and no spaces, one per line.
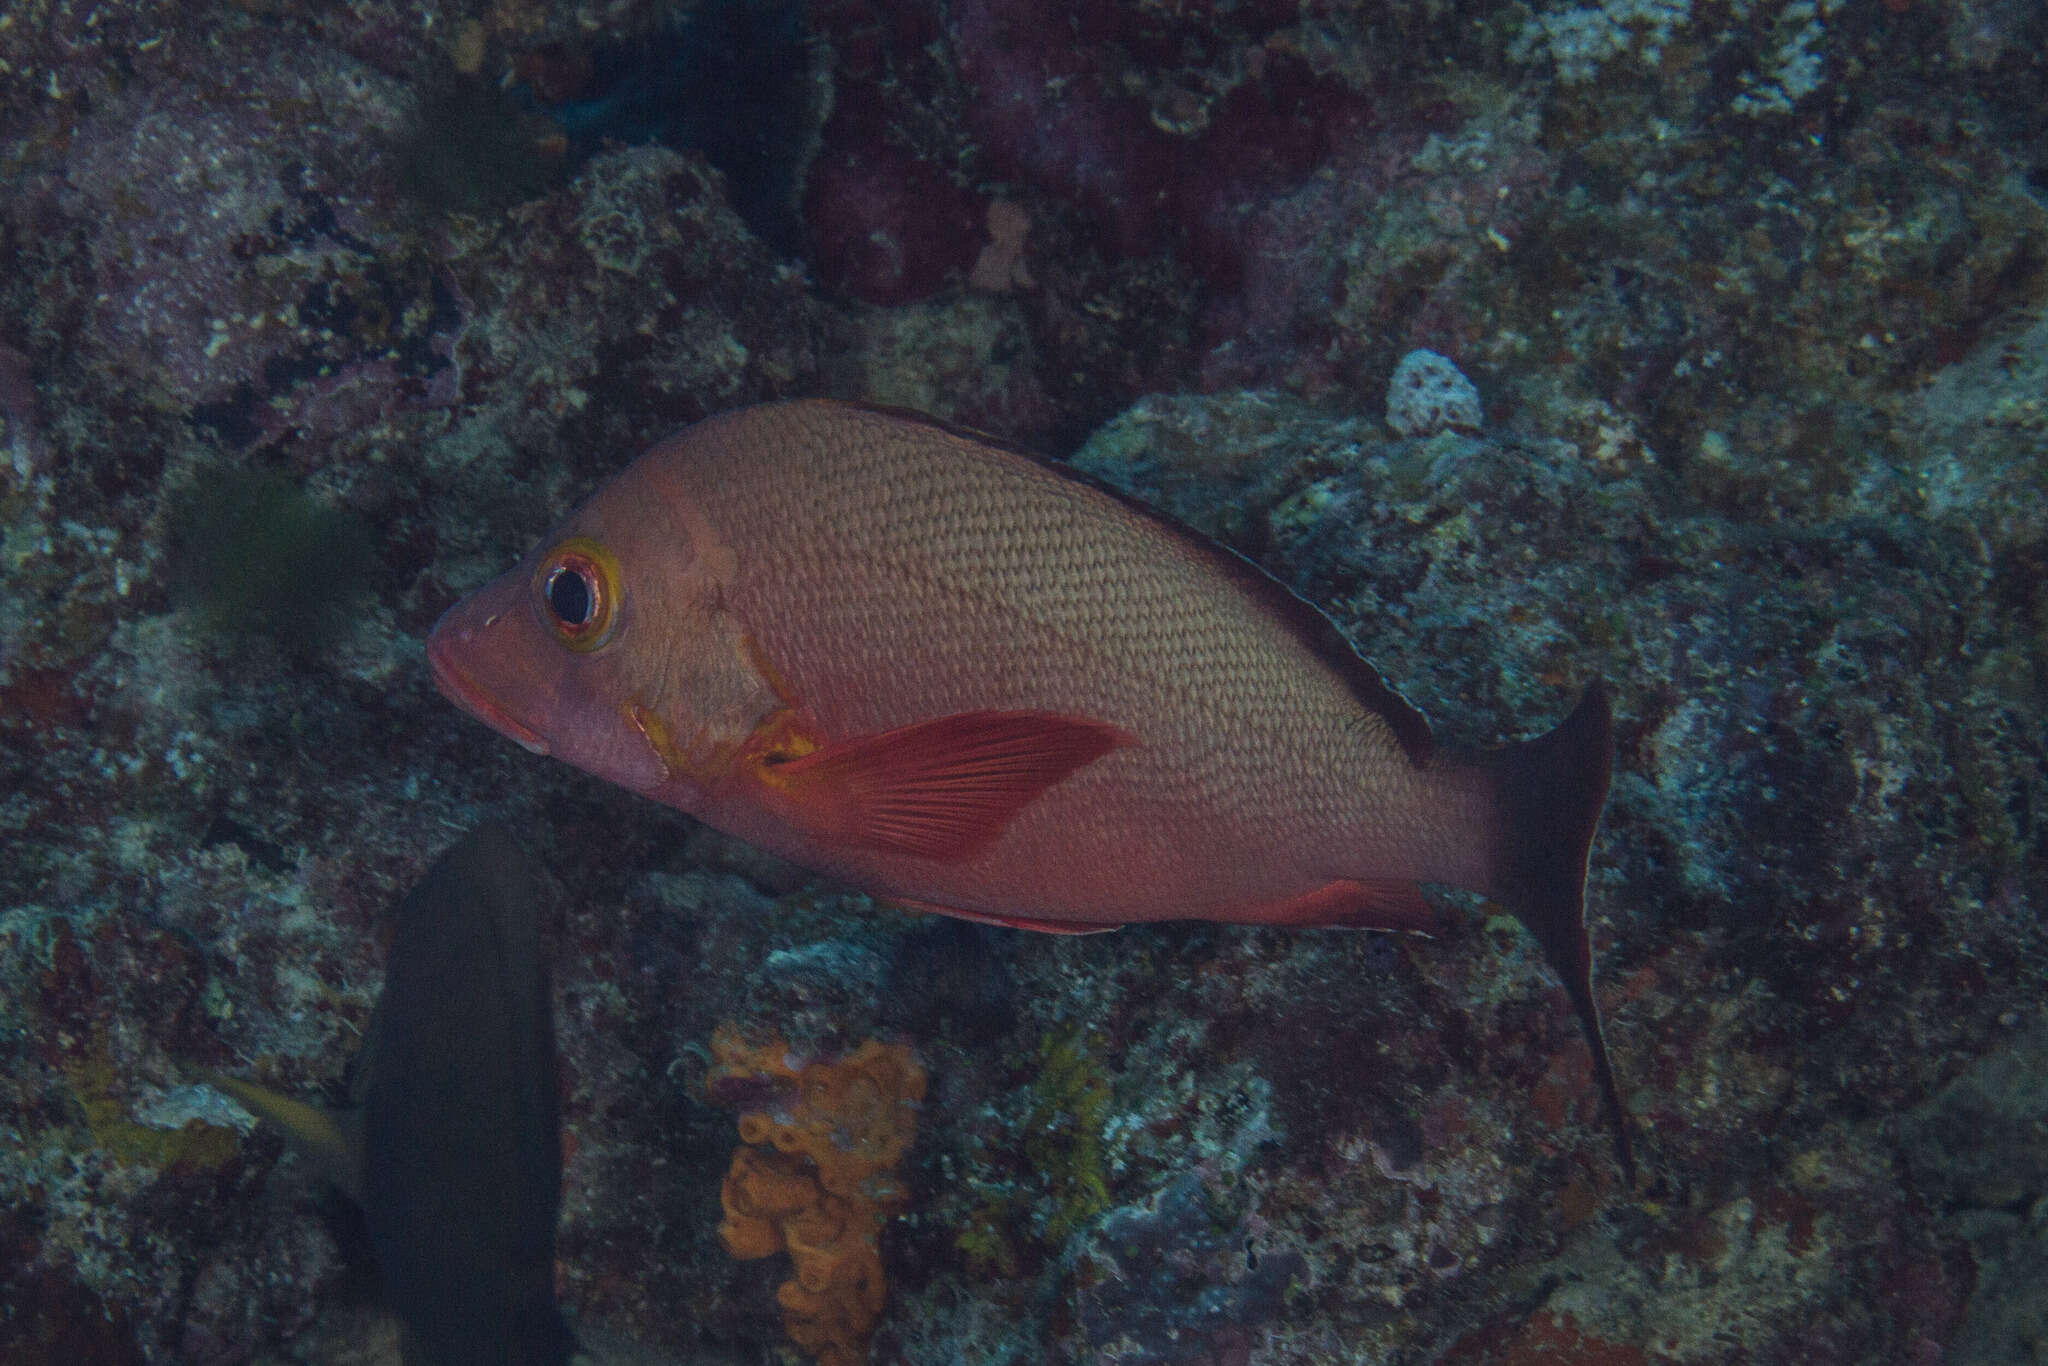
{"x":466,"y":631}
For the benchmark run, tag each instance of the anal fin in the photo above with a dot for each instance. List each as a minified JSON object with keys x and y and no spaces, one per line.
{"x":1352,"y":903}
{"x":1008,"y":922}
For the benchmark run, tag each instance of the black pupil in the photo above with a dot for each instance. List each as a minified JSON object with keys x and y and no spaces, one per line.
{"x":569,"y":597}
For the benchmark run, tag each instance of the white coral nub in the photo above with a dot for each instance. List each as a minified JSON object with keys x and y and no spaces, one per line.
{"x":1428,"y":394}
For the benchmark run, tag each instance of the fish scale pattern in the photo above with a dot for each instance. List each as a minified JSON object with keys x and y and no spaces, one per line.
{"x":1108,"y":619}
{"x":895,"y":572}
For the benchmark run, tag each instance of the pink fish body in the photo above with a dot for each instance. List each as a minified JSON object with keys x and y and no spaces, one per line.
{"x":951,"y":675}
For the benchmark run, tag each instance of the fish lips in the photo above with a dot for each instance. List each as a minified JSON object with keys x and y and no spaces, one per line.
{"x":456,"y":636}
{"x":491,"y":656}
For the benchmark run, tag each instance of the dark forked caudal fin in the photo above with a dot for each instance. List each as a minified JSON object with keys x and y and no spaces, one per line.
{"x":1549,"y":792}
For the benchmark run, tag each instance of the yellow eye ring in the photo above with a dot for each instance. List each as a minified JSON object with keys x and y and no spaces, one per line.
{"x":576,"y":593}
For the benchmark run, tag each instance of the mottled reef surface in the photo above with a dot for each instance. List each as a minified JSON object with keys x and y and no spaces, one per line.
{"x":312,"y":316}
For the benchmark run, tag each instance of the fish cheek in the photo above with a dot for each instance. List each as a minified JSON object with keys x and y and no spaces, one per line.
{"x":712,"y":698}
{"x":585,"y":727}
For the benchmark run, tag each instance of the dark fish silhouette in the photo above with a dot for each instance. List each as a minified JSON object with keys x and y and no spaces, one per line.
{"x":452,"y":1142}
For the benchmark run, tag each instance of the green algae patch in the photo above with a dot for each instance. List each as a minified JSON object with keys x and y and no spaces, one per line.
{"x":255,"y":555}
{"x":471,"y":148}
{"x":1018,"y":1213}
{"x":1063,"y":1132}
{"x":108,"y":1129}
{"x":984,"y":1244}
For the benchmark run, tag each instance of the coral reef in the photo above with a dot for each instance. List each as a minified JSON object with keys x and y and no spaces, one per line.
{"x":731,"y":80}
{"x":1759,"y":313}
{"x":1979,"y":1148}
{"x":817,"y":1178}
{"x":1176,"y":1279}
{"x":1428,"y":393}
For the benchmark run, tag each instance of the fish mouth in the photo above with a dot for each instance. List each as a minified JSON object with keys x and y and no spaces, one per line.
{"x":459,"y":688}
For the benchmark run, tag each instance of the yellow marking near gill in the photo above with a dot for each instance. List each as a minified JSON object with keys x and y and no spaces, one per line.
{"x":775,"y":739}
{"x":778,"y":739}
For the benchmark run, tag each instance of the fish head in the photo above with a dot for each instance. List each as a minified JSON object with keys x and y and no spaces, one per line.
{"x":615,"y":644}
{"x":545,"y":654}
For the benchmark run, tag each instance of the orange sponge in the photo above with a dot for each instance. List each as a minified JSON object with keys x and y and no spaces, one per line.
{"x":814,"y":1178}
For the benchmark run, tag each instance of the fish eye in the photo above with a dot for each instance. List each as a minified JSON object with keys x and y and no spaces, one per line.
{"x":572,"y":595}
{"x":576,"y":593}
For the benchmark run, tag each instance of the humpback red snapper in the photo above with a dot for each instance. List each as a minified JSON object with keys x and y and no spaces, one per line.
{"x":960,"y":678}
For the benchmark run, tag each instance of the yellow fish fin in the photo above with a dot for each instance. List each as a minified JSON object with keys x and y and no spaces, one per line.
{"x":332,"y":1141}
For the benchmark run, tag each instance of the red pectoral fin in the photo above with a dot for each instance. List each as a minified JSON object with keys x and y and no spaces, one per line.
{"x":940,"y":789}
